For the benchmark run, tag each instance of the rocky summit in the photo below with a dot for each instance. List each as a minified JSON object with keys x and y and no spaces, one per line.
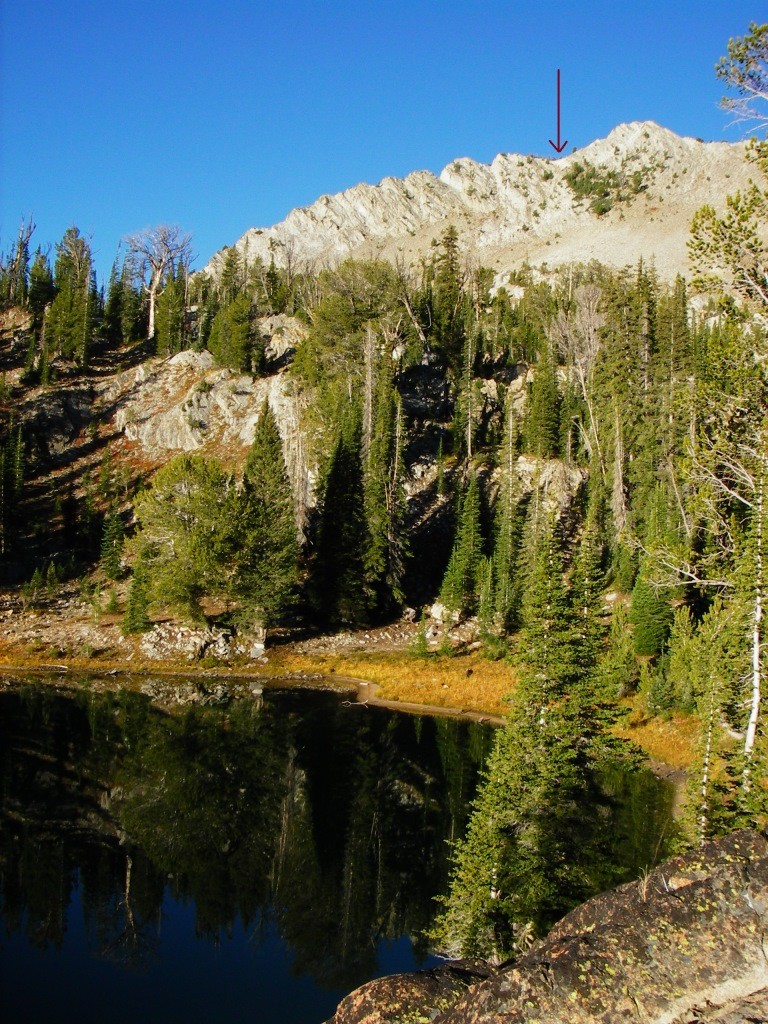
{"x":629,"y":196}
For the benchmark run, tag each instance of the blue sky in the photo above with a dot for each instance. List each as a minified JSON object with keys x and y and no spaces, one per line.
{"x":115,"y":116}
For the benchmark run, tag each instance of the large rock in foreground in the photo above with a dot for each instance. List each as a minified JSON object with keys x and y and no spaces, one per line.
{"x":684,"y":944}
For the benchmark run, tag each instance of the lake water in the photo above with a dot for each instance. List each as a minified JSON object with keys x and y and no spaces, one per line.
{"x":249,"y":863}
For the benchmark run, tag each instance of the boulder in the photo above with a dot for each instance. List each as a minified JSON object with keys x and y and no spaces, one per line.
{"x":683,"y":944}
{"x":403,"y":997}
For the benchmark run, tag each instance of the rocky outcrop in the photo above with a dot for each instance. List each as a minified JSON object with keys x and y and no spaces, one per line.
{"x":403,"y":997}
{"x":520,"y":208}
{"x":169,"y":640}
{"x":685,"y":943}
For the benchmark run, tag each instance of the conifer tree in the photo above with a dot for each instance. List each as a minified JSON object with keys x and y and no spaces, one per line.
{"x":460,"y":589}
{"x":339,"y":588}
{"x":136,"y":617}
{"x":509,"y":520}
{"x":231,"y":341}
{"x":41,"y":289}
{"x":651,"y":614}
{"x":266,"y":546}
{"x":543,"y":426}
{"x":111,"y":544}
{"x":169,"y":317}
{"x":70,"y":323}
{"x":185,"y":533}
{"x":384,"y":496}
{"x":530,"y":848}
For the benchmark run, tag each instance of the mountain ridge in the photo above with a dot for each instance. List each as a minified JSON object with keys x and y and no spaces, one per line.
{"x":521,"y":208}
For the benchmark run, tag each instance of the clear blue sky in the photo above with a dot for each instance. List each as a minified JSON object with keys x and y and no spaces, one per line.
{"x":219,"y":117}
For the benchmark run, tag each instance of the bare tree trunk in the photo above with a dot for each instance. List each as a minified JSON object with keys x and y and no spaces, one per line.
{"x":368,"y":397}
{"x":618,"y":497}
{"x":757,"y":618}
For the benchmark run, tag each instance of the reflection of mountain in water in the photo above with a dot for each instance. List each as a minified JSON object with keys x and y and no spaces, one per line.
{"x":328,"y":823}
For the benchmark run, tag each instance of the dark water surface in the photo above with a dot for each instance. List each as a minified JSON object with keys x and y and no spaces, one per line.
{"x":253,"y":863}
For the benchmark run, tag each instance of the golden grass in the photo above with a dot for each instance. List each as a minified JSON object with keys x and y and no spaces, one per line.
{"x":673,"y":741}
{"x":469,"y":681}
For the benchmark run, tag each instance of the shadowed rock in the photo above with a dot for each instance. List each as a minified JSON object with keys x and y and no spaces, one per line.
{"x":685,"y":943}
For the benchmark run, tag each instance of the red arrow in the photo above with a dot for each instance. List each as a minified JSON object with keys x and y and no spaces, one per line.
{"x":560,"y":145}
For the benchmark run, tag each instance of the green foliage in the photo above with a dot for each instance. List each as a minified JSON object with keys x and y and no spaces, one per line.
{"x":651,"y":614}
{"x":111,"y":545}
{"x":542,"y":431}
{"x":184,"y":520}
{"x":233,"y":339}
{"x":266,"y":550}
{"x":136,"y":617}
{"x":169,"y":316}
{"x":460,"y":591}
{"x":603,"y":187}
{"x":745,"y":70}
{"x":339,"y":581}
{"x":70,"y":323}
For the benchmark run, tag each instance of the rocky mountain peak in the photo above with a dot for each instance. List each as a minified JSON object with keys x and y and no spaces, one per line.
{"x":627,"y":196}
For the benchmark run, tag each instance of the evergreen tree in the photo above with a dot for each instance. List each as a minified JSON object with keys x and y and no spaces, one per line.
{"x":136,"y":617}
{"x":266,"y":546}
{"x":460,"y":589}
{"x":509,"y":520}
{"x":543,"y":425}
{"x":231,"y":341}
{"x":41,"y":289}
{"x":185,"y":533}
{"x":651,"y":614}
{"x":339,"y":589}
{"x":530,"y":851}
{"x":169,"y":319}
{"x":111,"y":545}
{"x":70,"y":323}
{"x":384,"y":497}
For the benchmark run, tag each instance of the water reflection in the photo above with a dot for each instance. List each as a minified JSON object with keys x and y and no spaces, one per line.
{"x":300,"y":829}
{"x":328,"y":822}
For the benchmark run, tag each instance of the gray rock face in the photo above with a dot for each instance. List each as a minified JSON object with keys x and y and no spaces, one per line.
{"x":684,"y":944}
{"x":520,"y":208}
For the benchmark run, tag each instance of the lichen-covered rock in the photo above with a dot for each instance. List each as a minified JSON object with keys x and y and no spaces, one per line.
{"x":409,"y":998}
{"x":668,"y":949}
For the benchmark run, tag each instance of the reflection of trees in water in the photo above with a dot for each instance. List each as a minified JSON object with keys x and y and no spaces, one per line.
{"x":331,"y":822}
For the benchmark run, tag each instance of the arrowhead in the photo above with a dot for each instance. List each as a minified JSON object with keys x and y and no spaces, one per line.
{"x":559,"y":148}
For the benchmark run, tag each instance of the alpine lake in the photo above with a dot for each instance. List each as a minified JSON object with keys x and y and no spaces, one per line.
{"x":253,"y":861}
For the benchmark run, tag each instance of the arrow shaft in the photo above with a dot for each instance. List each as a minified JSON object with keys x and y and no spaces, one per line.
{"x":558,"y":146}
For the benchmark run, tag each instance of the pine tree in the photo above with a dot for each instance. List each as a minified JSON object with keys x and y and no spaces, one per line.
{"x":384,"y":497}
{"x":169,"y":318}
{"x":650,"y":615}
{"x":185,"y":533}
{"x":231,"y":341}
{"x":111,"y":545}
{"x":530,"y":849}
{"x":509,"y":521}
{"x":338,"y":586}
{"x":70,"y":323}
{"x":460,"y":589}
{"x":266,"y":545}
{"x":136,"y":618}
{"x":543,"y":424}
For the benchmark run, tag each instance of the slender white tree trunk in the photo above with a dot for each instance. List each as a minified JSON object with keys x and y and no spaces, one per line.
{"x":757,"y":618}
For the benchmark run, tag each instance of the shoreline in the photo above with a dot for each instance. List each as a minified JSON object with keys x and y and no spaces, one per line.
{"x":365,"y":690}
